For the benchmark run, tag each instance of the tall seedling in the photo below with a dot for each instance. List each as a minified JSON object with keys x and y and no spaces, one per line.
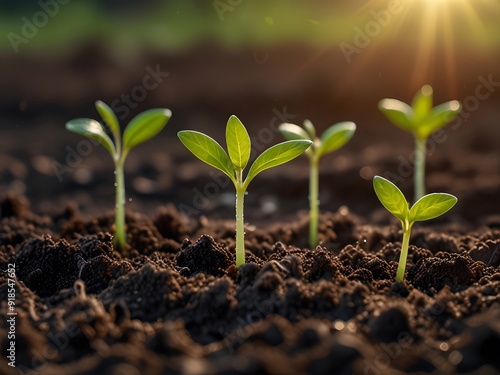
{"x":140,"y":129}
{"x":239,"y":148}
{"x":428,"y":207}
{"x":332,"y":139}
{"x":420,"y":119}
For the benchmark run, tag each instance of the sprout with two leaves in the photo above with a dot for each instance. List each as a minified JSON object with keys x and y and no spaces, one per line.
{"x":239,"y":148}
{"x":140,"y":129}
{"x":420,"y":119}
{"x":332,"y":139}
{"x":428,"y":207}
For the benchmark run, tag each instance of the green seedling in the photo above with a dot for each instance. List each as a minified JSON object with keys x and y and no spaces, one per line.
{"x":420,"y":119}
{"x":332,"y":139}
{"x":140,"y":129}
{"x":428,"y":207}
{"x":239,"y":148}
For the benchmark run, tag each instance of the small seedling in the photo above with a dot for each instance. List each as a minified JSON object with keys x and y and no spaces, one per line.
{"x":420,"y":119}
{"x":428,"y":207}
{"x":239,"y":147}
{"x":140,"y":129}
{"x":332,"y":139}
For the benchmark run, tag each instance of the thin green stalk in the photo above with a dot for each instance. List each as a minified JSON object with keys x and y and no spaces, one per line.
{"x":400,"y":274}
{"x":313,"y":203}
{"x":120,"y":207}
{"x":240,"y":223}
{"x":419,"y":173}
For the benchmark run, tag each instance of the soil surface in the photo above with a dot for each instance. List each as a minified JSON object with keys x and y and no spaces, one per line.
{"x":172,"y":301}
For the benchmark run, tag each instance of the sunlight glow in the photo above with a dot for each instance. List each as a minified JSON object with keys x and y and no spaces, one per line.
{"x":432,"y":33}
{"x":440,"y":22}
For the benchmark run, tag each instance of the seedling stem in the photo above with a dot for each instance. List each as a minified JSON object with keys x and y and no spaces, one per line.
{"x":332,"y":139}
{"x":421,"y":119}
{"x":141,"y":128}
{"x":120,"y":238}
{"x":428,"y":207}
{"x":419,"y":175}
{"x":400,"y":274}
{"x":240,"y":223}
{"x":313,"y":200}
{"x":233,"y":162}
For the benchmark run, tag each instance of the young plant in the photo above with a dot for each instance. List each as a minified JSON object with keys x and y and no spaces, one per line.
{"x":428,"y":207}
{"x":140,"y":129}
{"x":420,"y":119}
{"x":332,"y":139}
{"x":239,"y":147}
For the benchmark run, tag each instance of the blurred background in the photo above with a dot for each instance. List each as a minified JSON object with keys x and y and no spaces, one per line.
{"x":265,"y":61}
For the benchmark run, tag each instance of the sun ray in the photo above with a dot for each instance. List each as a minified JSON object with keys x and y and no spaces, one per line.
{"x":449,"y":53}
{"x":430,"y":38}
{"x":445,"y":26}
{"x":427,"y":42}
{"x":436,"y":31}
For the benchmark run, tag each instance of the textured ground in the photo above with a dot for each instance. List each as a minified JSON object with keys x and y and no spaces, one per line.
{"x":168,"y":304}
{"x":173,"y":302}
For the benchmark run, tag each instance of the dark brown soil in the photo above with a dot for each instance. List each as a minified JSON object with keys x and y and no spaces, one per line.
{"x":173,"y":301}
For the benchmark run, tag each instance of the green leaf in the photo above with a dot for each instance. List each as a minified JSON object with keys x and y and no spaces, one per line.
{"x":92,"y":129}
{"x":398,"y":112}
{"x":440,"y":116}
{"x":145,"y":126}
{"x":238,"y":143}
{"x":431,"y":206}
{"x":422,"y":104}
{"x":308,"y":125}
{"x":276,"y":155}
{"x":208,"y":151}
{"x":109,"y":118}
{"x":391,"y":197}
{"x":336,"y":136}
{"x":293,"y":132}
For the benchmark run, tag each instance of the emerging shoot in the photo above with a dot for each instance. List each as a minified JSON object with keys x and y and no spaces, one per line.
{"x":420,"y":119}
{"x":140,"y":129}
{"x":332,"y":139}
{"x":239,"y":147}
{"x":428,"y":207}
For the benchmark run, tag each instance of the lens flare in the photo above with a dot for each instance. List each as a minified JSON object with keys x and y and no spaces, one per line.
{"x":431,"y":35}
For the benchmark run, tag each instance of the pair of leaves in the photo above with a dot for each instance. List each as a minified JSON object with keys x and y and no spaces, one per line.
{"x":420,"y":118}
{"x":428,"y":207}
{"x":332,"y":139}
{"x":140,"y":129}
{"x":239,"y":149}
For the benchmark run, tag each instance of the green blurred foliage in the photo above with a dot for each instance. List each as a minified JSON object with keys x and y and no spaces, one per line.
{"x":127,"y":27}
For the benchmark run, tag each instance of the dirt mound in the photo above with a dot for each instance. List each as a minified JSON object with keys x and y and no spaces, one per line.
{"x":179,"y":305}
